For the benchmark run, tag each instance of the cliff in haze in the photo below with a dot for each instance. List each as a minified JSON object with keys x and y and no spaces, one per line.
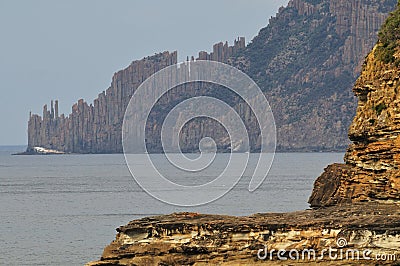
{"x":97,"y":127}
{"x":305,"y":61}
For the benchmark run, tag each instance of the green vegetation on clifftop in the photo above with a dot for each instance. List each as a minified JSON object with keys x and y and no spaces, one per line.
{"x":389,"y":38}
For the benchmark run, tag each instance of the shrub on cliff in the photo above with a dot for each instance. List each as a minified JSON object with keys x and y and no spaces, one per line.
{"x":389,"y":38}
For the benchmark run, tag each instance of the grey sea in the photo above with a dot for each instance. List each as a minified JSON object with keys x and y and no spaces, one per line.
{"x":63,"y":210}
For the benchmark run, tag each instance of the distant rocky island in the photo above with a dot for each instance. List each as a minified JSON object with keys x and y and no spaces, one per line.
{"x":356,"y":215}
{"x":305,"y":61}
{"x":39,"y":151}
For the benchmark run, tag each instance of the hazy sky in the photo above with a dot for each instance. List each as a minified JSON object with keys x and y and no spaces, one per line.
{"x":70,"y":49}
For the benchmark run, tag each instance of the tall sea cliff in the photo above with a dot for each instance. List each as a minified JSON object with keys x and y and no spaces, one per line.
{"x":305,"y":61}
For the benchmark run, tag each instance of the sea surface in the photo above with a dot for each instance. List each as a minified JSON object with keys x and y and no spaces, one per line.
{"x":63,"y":209}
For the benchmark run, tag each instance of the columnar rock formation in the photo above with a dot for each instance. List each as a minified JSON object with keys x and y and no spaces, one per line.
{"x":196,"y":239}
{"x":305,"y":61}
{"x":223,"y":52}
{"x":96,"y":128}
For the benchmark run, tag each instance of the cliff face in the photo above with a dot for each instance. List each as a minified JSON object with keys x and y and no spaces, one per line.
{"x":97,"y":128}
{"x":305,"y":61}
{"x":371,"y":170}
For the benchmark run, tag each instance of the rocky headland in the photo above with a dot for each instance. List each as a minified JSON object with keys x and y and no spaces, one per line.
{"x":305,"y":61}
{"x":356,"y":205}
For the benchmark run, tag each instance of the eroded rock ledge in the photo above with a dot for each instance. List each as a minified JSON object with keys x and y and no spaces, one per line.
{"x":197,"y":239}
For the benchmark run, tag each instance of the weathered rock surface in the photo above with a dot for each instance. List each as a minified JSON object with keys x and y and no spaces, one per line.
{"x":196,"y":239}
{"x":305,"y":61}
{"x":371,"y":170}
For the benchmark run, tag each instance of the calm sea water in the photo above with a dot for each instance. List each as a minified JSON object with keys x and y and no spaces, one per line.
{"x":63,"y":210}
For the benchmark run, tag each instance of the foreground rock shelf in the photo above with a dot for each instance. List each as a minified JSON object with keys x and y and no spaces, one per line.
{"x":197,"y":239}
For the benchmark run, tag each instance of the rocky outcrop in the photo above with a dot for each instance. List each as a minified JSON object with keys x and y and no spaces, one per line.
{"x":305,"y":61}
{"x":371,"y":170}
{"x":40,"y":151}
{"x":196,"y":239}
{"x":223,"y":52}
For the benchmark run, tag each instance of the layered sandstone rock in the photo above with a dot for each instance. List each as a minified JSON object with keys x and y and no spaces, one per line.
{"x":371,"y":170}
{"x":196,"y":239}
